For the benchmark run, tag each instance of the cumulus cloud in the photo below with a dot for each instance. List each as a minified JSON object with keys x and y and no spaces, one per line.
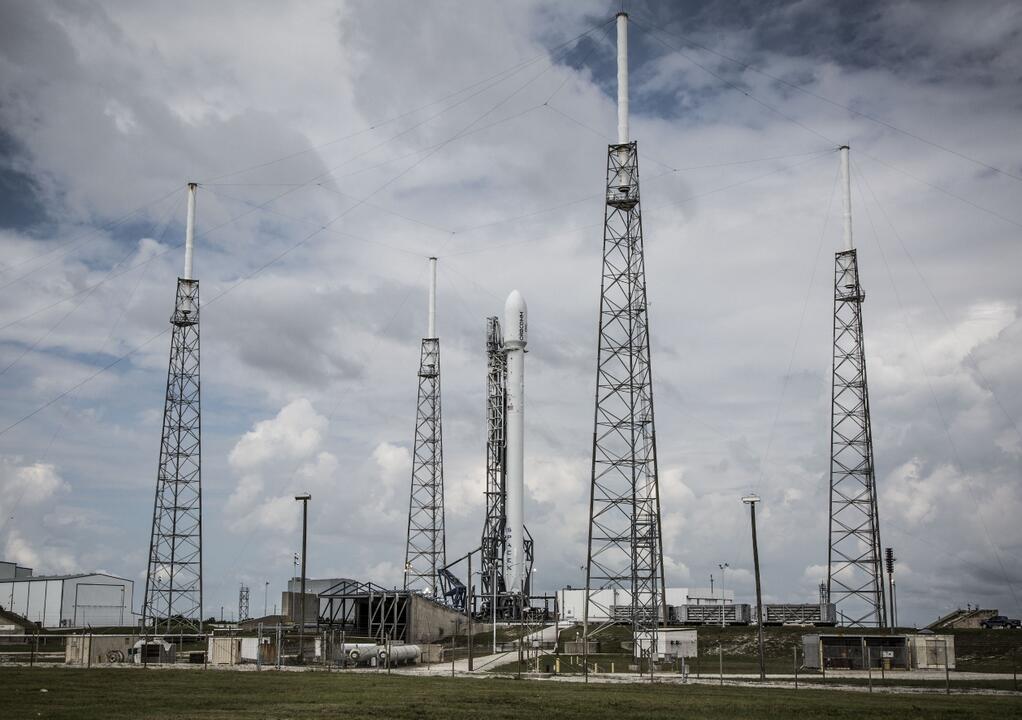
{"x":27,"y":484}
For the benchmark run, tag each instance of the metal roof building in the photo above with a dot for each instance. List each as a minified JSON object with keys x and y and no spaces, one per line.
{"x":70,"y":601}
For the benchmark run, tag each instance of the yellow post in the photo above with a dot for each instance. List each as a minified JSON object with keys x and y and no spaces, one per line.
{"x":612,"y":667}
{"x":557,"y":665}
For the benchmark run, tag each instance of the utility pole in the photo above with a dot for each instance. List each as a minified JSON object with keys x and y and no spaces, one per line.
{"x":468,"y":610}
{"x":723,"y":567}
{"x":266,"y":595}
{"x":751,"y":501}
{"x":304,"y":499}
{"x":889,"y":560}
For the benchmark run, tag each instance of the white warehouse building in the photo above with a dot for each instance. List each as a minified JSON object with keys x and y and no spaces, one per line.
{"x":571,"y":601}
{"x":69,"y":601}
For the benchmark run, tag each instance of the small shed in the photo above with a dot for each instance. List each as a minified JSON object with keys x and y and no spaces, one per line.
{"x":856,"y":652}
{"x":224,"y":650}
{"x":93,"y":650}
{"x":933,"y":652}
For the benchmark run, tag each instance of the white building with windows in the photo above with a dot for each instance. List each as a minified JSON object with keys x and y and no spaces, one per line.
{"x":571,"y":601}
{"x":69,"y":601}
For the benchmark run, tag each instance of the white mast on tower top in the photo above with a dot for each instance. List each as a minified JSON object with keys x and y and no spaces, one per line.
{"x":190,"y":231}
{"x":432,"y":298}
{"x":846,"y":196}
{"x":622,"y":78}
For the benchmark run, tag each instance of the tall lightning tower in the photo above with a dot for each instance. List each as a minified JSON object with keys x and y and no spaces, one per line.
{"x":854,"y":574}
{"x":173,"y":586}
{"x":426,"y":548}
{"x":624,"y":567}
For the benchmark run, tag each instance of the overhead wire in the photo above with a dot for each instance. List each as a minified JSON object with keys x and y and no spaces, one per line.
{"x":600,"y":195}
{"x":79,"y":239}
{"x":933,"y":395}
{"x":46,"y":334}
{"x":486,"y":84}
{"x":124,"y":306}
{"x":310,"y":221}
{"x":276,"y":258}
{"x":337,"y":402}
{"x":652,"y":33}
{"x":812,"y":130}
{"x":835,"y":103}
{"x":798,"y":333}
{"x":929,"y":289}
{"x":940,"y":189}
{"x":647,"y":212}
{"x":507,"y":71}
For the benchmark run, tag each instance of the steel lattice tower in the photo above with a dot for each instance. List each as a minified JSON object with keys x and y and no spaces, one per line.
{"x":625,"y":553}
{"x":243,"y":594}
{"x":854,"y":574}
{"x":426,"y":547}
{"x":173,"y":594}
{"x":496,"y":407}
{"x":494,"y":537}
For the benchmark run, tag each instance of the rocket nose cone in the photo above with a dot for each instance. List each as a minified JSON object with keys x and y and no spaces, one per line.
{"x":516,"y":318}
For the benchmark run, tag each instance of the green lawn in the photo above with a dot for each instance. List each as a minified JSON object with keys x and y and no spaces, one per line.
{"x":179,"y":694}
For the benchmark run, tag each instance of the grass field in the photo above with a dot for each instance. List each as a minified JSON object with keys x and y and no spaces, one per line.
{"x":136,"y":693}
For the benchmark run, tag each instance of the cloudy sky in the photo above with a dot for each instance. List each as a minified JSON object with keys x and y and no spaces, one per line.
{"x":338,"y":145}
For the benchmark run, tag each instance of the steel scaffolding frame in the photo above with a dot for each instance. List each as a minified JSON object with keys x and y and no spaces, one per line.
{"x":173,"y":591}
{"x":426,"y":547}
{"x":494,"y":545}
{"x":625,"y":549}
{"x":854,"y":575}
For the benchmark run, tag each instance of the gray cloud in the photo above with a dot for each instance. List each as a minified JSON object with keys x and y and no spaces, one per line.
{"x":108,"y":106}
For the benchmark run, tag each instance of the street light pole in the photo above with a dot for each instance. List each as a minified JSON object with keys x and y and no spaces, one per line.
{"x":751,"y":501}
{"x":304,"y":499}
{"x":468,"y":609}
{"x":723,"y":567}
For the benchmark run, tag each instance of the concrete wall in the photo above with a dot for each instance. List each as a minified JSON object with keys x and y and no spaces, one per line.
{"x":429,"y":622}
{"x":289,"y":607}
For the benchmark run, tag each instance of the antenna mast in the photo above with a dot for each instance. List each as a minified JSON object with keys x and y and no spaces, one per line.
{"x":854,"y":575}
{"x":426,"y":547}
{"x":625,"y":549}
{"x":173,"y":592}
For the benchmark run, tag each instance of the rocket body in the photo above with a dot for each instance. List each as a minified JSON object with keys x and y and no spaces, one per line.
{"x":515,"y":337}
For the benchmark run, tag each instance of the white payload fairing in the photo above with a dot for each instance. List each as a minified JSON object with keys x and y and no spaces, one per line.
{"x":516,"y":332}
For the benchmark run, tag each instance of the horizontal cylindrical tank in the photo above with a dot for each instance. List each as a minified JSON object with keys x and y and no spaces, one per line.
{"x":400,"y":654}
{"x":364,"y":654}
